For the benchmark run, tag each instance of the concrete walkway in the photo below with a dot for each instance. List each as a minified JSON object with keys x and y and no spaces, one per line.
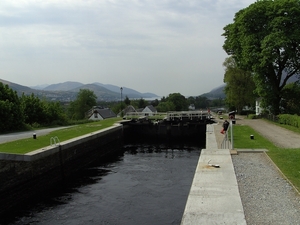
{"x":214,"y":197}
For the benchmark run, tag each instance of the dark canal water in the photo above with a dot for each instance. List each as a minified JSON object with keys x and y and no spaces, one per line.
{"x":144,"y":184}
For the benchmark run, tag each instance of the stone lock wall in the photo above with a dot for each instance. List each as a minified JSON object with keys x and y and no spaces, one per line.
{"x":22,"y":176}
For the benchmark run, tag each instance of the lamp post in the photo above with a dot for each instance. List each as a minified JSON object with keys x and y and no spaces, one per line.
{"x":121,"y":101}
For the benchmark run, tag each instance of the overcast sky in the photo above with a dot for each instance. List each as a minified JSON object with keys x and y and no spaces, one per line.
{"x":158,"y":46}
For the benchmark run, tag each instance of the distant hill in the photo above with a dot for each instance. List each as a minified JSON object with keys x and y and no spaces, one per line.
{"x":67,"y":91}
{"x":101,"y":92}
{"x":39,"y":87}
{"x":66,"y":86}
{"x":16,"y":87}
{"x":216,"y":93}
{"x":105,"y":91}
{"x":127,"y":91}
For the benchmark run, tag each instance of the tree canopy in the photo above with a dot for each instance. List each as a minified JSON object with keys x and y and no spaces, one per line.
{"x":290,"y":100}
{"x":85,"y":100}
{"x":239,"y":87}
{"x":174,"y":102}
{"x":11,"y":116}
{"x":265,"y":40}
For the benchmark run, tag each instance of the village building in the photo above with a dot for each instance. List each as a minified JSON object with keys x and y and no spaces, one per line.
{"x":98,"y":113}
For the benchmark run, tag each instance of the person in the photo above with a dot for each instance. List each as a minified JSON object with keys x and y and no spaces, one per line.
{"x":225,"y":127}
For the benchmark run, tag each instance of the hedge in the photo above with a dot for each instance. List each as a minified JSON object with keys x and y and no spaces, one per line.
{"x":287,"y":119}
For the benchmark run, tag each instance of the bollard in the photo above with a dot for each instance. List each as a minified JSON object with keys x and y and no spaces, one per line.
{"x":34,"y":135}
{"x":251,"y":136}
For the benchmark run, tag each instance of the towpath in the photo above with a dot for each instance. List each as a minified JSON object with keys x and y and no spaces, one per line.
{"x":279,"y":136}
{"x":26,"y":134}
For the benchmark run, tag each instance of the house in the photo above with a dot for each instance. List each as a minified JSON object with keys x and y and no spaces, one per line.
{"x":192,"y":107}
{"x":258,"y":108}
{"x":149,"y":110}
{"x":128,"y":109}
{"x":98,"y":113}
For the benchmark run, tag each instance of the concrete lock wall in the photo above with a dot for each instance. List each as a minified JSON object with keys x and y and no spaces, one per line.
{"x":23,"y":176}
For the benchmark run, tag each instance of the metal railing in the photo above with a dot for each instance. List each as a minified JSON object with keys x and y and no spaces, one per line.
{"x":54,"y":141}
{"x":172,"y":115}
{"x":227,"y":142}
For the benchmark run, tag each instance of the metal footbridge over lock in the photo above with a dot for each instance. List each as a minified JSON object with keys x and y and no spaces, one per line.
{"x":171,"y":116}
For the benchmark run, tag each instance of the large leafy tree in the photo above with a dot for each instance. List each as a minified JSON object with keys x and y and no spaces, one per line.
{"x":55,"y":113}
{"x":265,"y":39}
{"x":85,"y":100}
{"x":174,"y":102}
{"x":200,"y":102}
{"x":239,"y":87}
{"x":290,"y":101}
{"x":11,"y":117}
{"x":165,"y":107}
{"x":33,"y":109}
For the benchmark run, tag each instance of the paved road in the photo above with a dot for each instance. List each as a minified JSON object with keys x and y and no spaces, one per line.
{"x":26,"y":134}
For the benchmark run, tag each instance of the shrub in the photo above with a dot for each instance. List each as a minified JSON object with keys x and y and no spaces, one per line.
{"x":252,"y":116}
{"x":287,"y":119}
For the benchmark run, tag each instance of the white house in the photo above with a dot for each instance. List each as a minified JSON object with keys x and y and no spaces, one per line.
{"x":192,"y":107}
{"x":258,"y":108}
{"x":149,"y":110}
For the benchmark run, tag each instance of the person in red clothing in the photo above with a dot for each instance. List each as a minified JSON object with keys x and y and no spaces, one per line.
{"x":225,"y":127}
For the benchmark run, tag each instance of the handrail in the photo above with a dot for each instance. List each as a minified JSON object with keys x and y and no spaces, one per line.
{"x":54,"y":141}
{"x":171,"y":115}
{"x":226,"y":143}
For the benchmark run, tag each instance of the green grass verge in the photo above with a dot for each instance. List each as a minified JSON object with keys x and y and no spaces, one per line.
{"x":27,"y":145}
{"x":287,"y":160}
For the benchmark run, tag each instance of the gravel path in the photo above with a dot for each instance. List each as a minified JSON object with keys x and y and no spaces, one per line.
{"x":267,"y":197}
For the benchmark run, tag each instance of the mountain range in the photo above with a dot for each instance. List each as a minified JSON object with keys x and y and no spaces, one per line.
{"x":67,"y":91}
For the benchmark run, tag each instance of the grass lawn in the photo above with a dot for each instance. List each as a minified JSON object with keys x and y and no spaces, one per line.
{"x":27,"y":145}
{"x":287,"y":160}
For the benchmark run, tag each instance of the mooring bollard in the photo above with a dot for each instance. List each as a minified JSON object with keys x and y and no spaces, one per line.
{"x":34,"y":135}
{"x":251,"y":136}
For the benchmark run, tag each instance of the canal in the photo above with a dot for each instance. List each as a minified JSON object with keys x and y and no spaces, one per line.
{"x":146,"y":183}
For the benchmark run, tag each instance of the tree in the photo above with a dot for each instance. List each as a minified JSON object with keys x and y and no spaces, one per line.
{"x":142,"y":103}
{"x":165,"y":107}
{"x":85,"y":100}
{"x":200,"y":102}
{"x":179,"y":101}
{"x":127,"y":100}
{"x":155,"y":102}
{"x":11,"y":117}
{"x":239,"y":87}
{"x":265,"y":39}
{"x":290,"y":100}
{"x":219,"y":102}
{"x":33,"y":109}
{"x":174,"y":102}
{"x":55,"y":114}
